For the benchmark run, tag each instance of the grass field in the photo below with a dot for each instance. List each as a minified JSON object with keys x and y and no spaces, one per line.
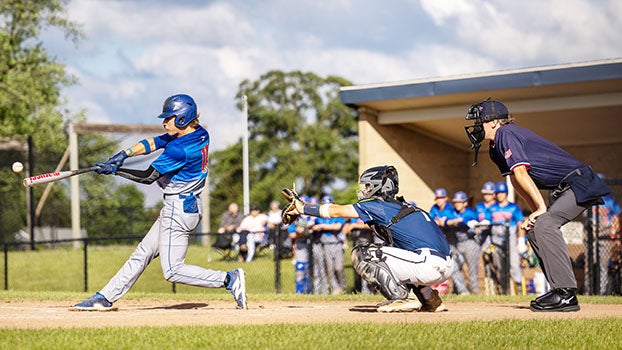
{"x":56,"y":275}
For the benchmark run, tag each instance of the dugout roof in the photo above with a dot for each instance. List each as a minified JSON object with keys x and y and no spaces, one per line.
{"x":575,"y":104}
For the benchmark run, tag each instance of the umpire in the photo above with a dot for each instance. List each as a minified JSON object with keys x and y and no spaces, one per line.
{"x":534,"y":163}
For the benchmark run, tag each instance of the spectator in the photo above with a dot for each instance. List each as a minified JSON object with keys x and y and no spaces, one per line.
{"x":299,"y":233}
{"x":328,"y":254}
{"x":467,"y":249}
{"x":441,"y":212}
{"x":506,"y":218}
{"x":229,"y":226}
{"x":484,"y":216}
{"x":274,"y":222}
{"x":252,"y":234}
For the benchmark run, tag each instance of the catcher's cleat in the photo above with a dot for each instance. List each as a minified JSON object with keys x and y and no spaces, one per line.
{"x":237,"y":287}
{"x":434,"y":304}
{"x":400,"y":305}
{"x":95,"y":303}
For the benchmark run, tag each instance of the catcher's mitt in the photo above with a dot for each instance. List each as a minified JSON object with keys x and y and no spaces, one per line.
{"x":290,"y":214}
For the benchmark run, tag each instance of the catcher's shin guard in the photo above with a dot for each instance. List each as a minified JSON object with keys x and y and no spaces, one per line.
{"x":368,"y":263}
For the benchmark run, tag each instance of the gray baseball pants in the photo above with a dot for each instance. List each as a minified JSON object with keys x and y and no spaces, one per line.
{"x":168,"y":238}
{"x":548,"y":243}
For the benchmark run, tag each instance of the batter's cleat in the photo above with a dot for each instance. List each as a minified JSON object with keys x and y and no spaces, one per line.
{"x":557,"y":300}
{"x":237,"y":287}
{"x":433,"y":304}
{"x":399,"y":305}
{"x":97,"y":302}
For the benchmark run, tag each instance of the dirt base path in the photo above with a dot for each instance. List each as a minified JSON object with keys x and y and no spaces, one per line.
{"x":179,"y":313}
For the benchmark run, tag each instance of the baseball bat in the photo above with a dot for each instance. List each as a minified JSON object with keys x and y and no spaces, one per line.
{"x":54,"y":176}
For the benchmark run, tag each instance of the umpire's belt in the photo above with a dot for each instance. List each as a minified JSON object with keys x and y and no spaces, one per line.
{"x":431,"y":251}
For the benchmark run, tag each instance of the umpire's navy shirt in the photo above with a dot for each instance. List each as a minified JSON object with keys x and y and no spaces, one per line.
{"x":546,"y":162}
{"x":414,"y":231}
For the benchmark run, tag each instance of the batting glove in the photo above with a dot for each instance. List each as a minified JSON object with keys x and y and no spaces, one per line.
{"x":111,"y":165}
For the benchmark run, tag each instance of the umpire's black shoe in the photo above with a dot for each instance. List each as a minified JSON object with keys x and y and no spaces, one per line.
{"x":557,"y":300}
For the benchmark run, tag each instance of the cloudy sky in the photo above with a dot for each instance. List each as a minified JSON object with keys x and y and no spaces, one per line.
{"x":138,"y":52}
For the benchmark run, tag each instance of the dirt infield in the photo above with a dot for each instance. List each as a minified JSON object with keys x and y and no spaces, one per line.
{"x":179,"y":313}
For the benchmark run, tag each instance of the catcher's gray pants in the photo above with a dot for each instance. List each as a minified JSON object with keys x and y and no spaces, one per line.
{"x":548,"y":243}
{"x":168,"y":238}
{"x":465,"y":252}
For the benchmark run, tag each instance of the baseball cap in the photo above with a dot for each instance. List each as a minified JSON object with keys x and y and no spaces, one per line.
{"x":459,"y":197}
{"x":488,"y":188}
{"x":491,"y":109}
{"x":440,"y":192}
{"x":501,"y":187}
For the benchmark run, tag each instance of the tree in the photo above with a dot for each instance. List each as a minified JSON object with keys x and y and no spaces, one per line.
{"x":31,"y":104}
{"x":30,"y":83}
{"x":299,"y":131}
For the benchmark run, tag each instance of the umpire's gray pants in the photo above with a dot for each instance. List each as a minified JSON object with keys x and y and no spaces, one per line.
{"x":548,"y":243}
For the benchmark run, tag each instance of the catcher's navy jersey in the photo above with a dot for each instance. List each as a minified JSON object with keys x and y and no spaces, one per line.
{"x":413,"y":232}
{"x":546,"y":162}
{"x":184,"y":162}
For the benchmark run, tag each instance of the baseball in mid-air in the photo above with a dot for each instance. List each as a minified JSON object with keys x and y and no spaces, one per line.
{"x":17,"y":167}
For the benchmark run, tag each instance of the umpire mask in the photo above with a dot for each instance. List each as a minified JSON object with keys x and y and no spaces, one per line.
{"x":480,"y":113}
{"x":475,"y":133}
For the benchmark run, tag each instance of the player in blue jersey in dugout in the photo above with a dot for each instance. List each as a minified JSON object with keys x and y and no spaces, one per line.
{"x":533,"y":164}
{"x":180,"y":171}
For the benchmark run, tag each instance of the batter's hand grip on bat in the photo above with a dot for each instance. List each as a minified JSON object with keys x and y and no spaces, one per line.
{"x":53,"y":176}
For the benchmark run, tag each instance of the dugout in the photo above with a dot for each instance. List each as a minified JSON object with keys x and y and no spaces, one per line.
{"x":418,"y":125}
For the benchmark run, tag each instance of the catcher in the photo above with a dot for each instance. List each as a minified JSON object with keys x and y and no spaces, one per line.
{"x":415,"y":254}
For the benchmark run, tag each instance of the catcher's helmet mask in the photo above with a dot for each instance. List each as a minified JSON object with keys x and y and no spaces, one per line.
{"x":182,"y":107}
{"x":381,"y":181}
{"x":481,"y":113}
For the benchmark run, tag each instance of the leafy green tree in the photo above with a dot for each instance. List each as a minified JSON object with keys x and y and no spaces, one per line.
{"x":31,"y":104}
{"x":299,"y":132}
{"x":30,"y":83}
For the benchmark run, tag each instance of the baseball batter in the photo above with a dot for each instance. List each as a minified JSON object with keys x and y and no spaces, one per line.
{"x":181,"y":171}
{"x":415,"y":254}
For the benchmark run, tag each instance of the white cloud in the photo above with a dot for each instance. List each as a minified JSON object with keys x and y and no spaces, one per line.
{"x":139,"y":52}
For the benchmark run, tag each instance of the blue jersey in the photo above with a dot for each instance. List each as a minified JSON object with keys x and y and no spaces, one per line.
{"x":413,"y":232}
{"x":546,"y":162}
{"x":468,"y":214}
{"x":448,"y":212}
{"x":483,"y":212}
{"x":329,"y":236}
{"x":510,"y":213}
{"x":183,"y":163}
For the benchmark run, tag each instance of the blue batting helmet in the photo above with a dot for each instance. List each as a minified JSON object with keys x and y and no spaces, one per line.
{"x":488,"y":188}
{"x":182,"y":107}
{"x":501,"y":187}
